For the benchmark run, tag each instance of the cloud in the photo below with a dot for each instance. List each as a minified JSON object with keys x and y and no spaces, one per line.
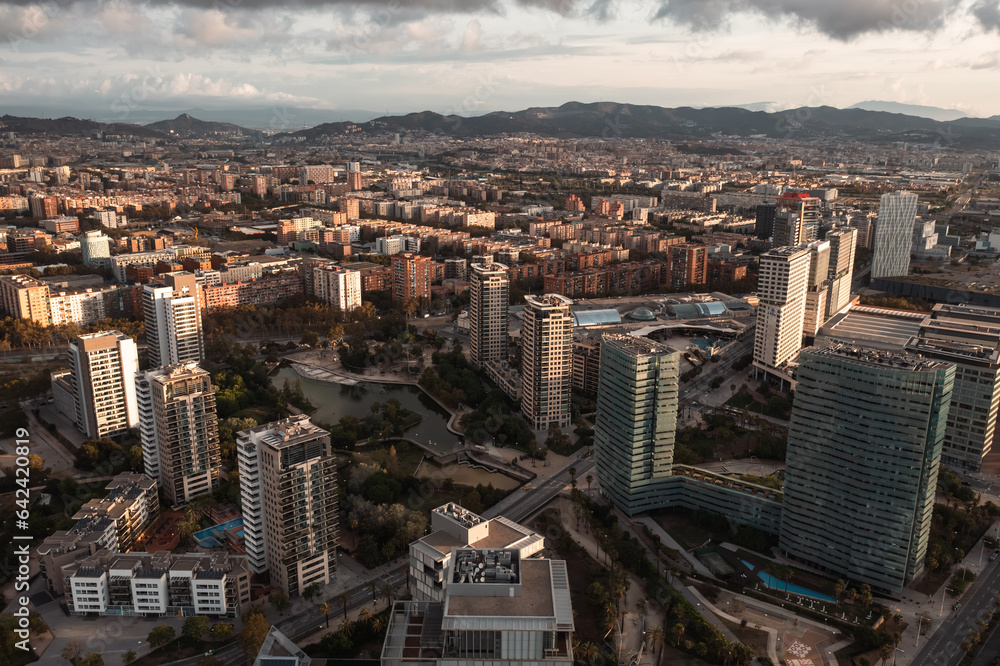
{"x":987,"y":12}
{"x":843,"y":20}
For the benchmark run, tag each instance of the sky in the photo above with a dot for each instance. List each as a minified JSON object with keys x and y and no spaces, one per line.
{"x":121,"y":60}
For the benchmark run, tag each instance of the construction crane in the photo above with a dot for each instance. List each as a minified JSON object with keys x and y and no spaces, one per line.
{"x":195,"y":230}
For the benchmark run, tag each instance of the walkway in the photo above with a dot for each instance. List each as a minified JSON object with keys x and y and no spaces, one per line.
{"x":670,"y":542}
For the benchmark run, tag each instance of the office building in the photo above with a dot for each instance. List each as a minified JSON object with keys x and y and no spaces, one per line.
{"x":864,"y":448}
{"x":24,"y":297}
{"x":96,"y":248}
{"x":969,"y":337}
{"x":546,"y":361}
{"x":764,"y":222}
{"x":636,"y":420}
{"x":796,"y":219}
{"x":288,"y":485}
{"x":98,"y":392}
{"x":498,"y":609}
{"x":894,"y":234}
{"x":841,"y":272}
{"x":179,"y":430}
{"x":411,"y":277}
{"x":337,"y":286}
{"x":453,"y":527}
{"x":818,"y":288}
{"x":489,"y":293}
{"x":172,"y":311}
{"x":781,"y":287}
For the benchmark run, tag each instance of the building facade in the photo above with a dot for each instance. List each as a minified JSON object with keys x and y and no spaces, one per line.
{"x":781,"y":287}
{"x":100,"y":384}
{"x":172,"y":312}
{"x":411,"y":277}
{"x":894,"y":234}
{"x":338,"y":286}
{"x":546,"y":361}
{"x":489,"y":289}
{"x":24,"y":297}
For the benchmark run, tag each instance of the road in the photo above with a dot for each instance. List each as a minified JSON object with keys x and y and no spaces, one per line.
{"x":520,"y":506}
{"x":942,"y":649}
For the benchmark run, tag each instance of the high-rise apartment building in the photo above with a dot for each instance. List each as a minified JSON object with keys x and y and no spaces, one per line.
{"x":841,"y":272}
{"x":688,"y":264}
{"x":969,"y":337}
{"x":96,"y":248}
{"x":546,"y":361}
{"x":818,"y":290}
{"x":764,"y":222}
{"x":172,"y":311}
{"x":489,"y":293}
{"x":337,"y":286}
{"x":100,"y":385}
{"x":781,"y":287}
{"x":864,"y":448}
{"x":288,"y":484}
{"x":796,"y":219}
{"x":24,"y":297}
{"x":179,"y":429}
{"x":894,"y":234}
{"x":411,"y":276}
{"x":636,"y":420}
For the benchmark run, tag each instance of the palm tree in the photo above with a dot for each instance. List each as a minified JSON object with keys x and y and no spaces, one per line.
{"x":324,"y":608}
{"x":388,"y":592}
{"x":346,"y":627}
{"x":590,"y":479}
{"x":676,"y":634}
{"x":343,"y":598}
{"x":885,"y":651}
{"x":655,"y":638}
{"x":373,"y":588}
{"x":838,"y":589}
{"x":364,"y":615}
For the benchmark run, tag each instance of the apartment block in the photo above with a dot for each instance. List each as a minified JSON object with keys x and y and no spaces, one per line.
{"x":489,"y":289}
{"x":546,"y":361}
{"x":338,"y":286}
{"x":99,"y":388}
{"x":411,"y":277}
{"x":172,"y":311}
{"x":24,"y":297}
{"x":781,"y":287}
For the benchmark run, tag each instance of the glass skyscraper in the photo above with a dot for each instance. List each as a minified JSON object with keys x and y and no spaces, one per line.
{"x":864,"y":448}
{"x":894,"y":234}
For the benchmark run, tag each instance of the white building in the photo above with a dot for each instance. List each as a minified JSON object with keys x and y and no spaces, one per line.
{"x":338,"y":286}
{"x":894,"y":234}
{"x":96,"y":248}
{"x":546,"y":361}
{"x":781,"y":288}
{"x":489,"y":288}
{"x":841,"y":275}
{"x":172,"y":311}
{"x":100,"y":384}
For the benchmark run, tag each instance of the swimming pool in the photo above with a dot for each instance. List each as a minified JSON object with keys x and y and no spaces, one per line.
{"x":212,"y":536}
{"x":791,"y":588}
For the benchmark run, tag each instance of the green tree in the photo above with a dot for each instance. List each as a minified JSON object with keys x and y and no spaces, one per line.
{"x":255,"y":629}
{"x":129,"y":657}
{"x":160,"y":636}
{"x":195,"y":627}
{"x":280,"y":602}
{"x":324,"y":608}
{"x":312,"y":591}
{"x":92,"y":659}
{"x":222,"y":631}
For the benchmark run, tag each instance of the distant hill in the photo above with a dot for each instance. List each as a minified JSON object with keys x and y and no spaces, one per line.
{"x":932,"y":112}
{"x":72,"y":127}
{"x":186,"y":126}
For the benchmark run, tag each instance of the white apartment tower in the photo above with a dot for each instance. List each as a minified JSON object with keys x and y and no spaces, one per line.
{"x":172,"y":312}
{"x":101,"y":383}
{"x":894,"y":234}
{"x":818,"y":290}
{"x":841,"y":273}
{"x":546,"y":361}
{"x":179,"y":430}
{"x":288,"y":485}
{"x":489,"y":289}
{"x":782,"y":288}
{"x":338,"y":286}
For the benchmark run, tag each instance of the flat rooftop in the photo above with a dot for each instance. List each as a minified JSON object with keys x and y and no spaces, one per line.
{"x":535,"y":599}
{"x":500,"y":536}
{"x":889,"y":332}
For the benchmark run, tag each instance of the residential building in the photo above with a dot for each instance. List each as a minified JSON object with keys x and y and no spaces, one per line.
{"x":586,"y":364}
{"x":546,"y":361}
{"x":172,"y":311}
{"x":456,"y":268}
{"x":841,"y":272}
{"x":497,"y":609}
{"x":337,"y":286}
{"x":179,"y":430}
{"x":100,"y":385}
{"x":96,"y":248}
{"x":864,"y":448}
{"x":489,"y":299}
{"x":288,"y":484}
{"x":636,"y":421}
{"x":62,"y":225}
{"x":796,"y":219}
{"x":764,"y":222}
{"x":411,"y":277}
{"x":818,"y":289}
{"x":454,"y":527}
{"x":894,"y":234}
{"x":688,"y":265}
{"x":24,"y":297}
{"x":781,"y":288}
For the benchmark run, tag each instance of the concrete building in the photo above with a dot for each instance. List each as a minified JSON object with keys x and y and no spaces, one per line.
{"x":172,"y":311}
{"x":456,"y":268}
{"x":796,"y":219}
{"x":411,"y":277}
{"x":288,"y":484}
{"x":894,"y":234}
{"x":498,"y":609}
{"x":489,"y":299}
{"x":586,"y":364}
{"x":24,"y":297}
{"x":843,"y":241}
{"x":688,"y":265}
{"x":337,"y":286}
{"x":96,"y":248}
{"x":764,"y":220}
{"x":179,"y":430}
{"x":546,"y":361}
{"x":100,"y":385}
{"x":864,"y":448}
{"x":818,"y":290}
{"x":636,"y":421}
{"x":781,"y":287}
{"x":159,"y":584}
{"x":453,"y":527}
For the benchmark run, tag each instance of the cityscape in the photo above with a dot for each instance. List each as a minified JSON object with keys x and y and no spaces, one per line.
{"x":506,"y":373}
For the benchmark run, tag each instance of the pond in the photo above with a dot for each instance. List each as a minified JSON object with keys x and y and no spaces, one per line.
{"x":334,"y":401}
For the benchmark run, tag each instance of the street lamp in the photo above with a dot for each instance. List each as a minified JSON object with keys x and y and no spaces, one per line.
{"x":894,"y":655}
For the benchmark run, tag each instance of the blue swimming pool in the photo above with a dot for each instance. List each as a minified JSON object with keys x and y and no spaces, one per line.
{"x":212,"y":536}
{"x":780,"y":585}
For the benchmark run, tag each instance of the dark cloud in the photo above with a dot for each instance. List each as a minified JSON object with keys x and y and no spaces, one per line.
{"x":844,"y":19}
{"x":987,"y":12}
{"x":565,"y":7}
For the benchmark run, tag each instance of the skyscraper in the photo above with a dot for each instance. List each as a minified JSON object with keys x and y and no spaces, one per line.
{"x":179,"y":430}
{"x":288,"y":484}
{"x":782,"y":287}
{"x":864,"y":447}
{"x":411,"y":277}
{"x":489,"y":293}
{"x":172,"y":312}
{"x":818,"y":290}
{"x":841,"y":273}
{"x":101,"y":384}
{"x":546,"y":361}
{"x":764,"y":221}
{"x":894,"y":234}
{"x":796,"y":219}
{"x":636,"y":420}
{"x":96,"y":248}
